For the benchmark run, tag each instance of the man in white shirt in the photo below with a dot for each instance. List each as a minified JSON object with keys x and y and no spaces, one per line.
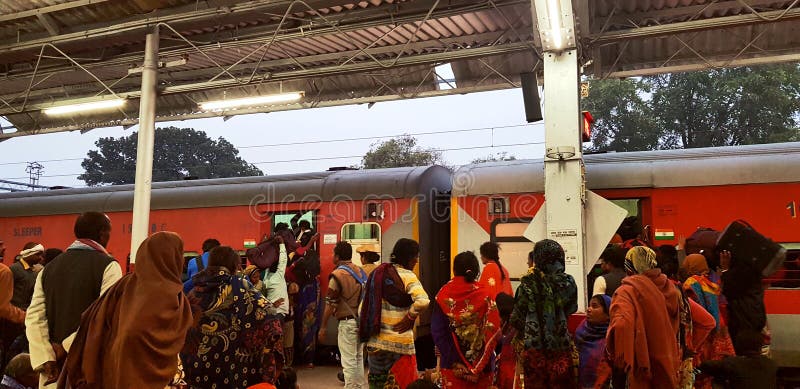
{"x":64,"y":289}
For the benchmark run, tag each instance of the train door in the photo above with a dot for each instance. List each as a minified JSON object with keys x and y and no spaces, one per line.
{"x":361,"y":234}
{"x":514,"y":247}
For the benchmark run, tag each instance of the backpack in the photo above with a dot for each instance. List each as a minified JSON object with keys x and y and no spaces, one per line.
{"x":360,"y":278}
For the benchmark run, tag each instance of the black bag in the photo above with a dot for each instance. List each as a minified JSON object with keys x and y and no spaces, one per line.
{"x":704,"y":241}
{"x":748,"y":246}
{"x":306,"y":268}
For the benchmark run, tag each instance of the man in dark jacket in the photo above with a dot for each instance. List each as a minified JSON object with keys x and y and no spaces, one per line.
{"x":749,"y":369}
{"x":741,"y":286}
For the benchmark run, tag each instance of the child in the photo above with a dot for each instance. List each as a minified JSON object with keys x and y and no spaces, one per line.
{"x":590,"y":339}
{"x":750,"y":369}
{"x":506,"y":362}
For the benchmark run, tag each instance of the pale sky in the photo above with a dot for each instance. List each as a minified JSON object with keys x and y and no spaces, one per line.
{"x":459,"y":112}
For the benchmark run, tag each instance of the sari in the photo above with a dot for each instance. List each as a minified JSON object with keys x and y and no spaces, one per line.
{"x":465,"y":326}
{"x":543,"y":302}
{"x":594,"y":371}
{"x":307,"y":321}
{"x":235,"y":343}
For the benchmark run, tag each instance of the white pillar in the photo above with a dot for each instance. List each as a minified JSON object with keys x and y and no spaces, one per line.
{"x":144,"y":147}
{"x":564,"y":188}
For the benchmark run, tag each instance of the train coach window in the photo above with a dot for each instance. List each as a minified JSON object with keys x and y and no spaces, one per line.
{"x":362,"y":234}
{"x":498,"y":205}
{"x":789,"y":275}
{"x":514,"y":247}
{"x":293,"y":218}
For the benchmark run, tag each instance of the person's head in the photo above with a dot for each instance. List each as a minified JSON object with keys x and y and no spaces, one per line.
{"x":490,"y":252}
{"x":370,"y":253}
{"x":505,"y":305}
{"x":253,"y":273}
{"x":597,"y":311}
{"x":95,"y":226}
{"x":548,"y":256}
{"x":209,"y":244}
{"x":304,"y":225}
{"x":160,"y":257}
{"x":749,"y":343}
{"x":667,"y":259}
{"x":280,"y":227}
{"x":343,"y":251}
{"x":695,"y":265}
{"x":640,"y":259}
{"x":630,"y":228}
{"x":226,"y":257}
{"x":51,"y":254}
{"x":613,"y":257}
{"x":466,"y":265}
{"x":287,"y":379}
{"x":405,"y":253}
{"x":422,"y":384}
{"x":32,"y":253}
{"x":19,"y":368}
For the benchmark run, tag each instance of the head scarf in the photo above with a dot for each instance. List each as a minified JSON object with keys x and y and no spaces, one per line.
{"x":640,"y":259}
{"x":548,"y":256}
{"x":695,"y":264}
{"x":31,"y":251}
{"x":606,"y":301}
{"x":131,"y":336}
{"x":590,"y":340}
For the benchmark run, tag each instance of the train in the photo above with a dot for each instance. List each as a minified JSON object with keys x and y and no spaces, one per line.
{"x":672,"y":192}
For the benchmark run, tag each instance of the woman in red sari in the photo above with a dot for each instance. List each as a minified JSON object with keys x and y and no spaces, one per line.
{"x":494,"y":275}
{"x":466,"y":326}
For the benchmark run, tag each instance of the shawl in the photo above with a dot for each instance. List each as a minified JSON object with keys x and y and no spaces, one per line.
{"x":706,"y":293}
{"x":590,"y":340}
{"x":88,"y":244}
{"x":642,"y":334}
{"x":492,"y":276}
{"x":8,"y":311}
{"x":234,"y":340}
{"x":131,"y":336}
{"x":384,"y":283}
{"x":544,"y":300}
{"x":468,"y":314}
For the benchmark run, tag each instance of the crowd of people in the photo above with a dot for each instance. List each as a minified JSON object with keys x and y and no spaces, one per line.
{"x":653,"y":320}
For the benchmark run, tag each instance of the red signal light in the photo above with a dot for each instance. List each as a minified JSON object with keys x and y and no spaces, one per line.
{"x":586,"y":128}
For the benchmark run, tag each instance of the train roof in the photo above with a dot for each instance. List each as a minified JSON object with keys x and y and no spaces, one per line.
{"x":752,"y":164}
{"x":286,"y":188}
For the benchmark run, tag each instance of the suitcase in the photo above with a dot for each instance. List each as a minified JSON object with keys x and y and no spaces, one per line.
{"x":748,"y":246}
{"x":704,"y":241}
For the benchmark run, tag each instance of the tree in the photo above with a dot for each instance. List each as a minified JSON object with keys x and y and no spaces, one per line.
{"x":400,"y":152}
{"x":501,"y":156}
{"x":178,"y":153}
{"x":698,"y":109}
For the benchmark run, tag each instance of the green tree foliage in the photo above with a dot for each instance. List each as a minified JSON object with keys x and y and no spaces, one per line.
{"x":501,"y":156}
{"x":178,"y":153}
{"x":400,"y":152}
{"x":698,"y":109}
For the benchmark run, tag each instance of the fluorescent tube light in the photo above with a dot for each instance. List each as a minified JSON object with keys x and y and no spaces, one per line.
{"x":554,"y":13}
{"x":258,"y":100}
{"x":93,"y":106}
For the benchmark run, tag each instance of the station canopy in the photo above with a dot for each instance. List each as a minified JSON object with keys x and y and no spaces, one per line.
{"x":339,"y":52}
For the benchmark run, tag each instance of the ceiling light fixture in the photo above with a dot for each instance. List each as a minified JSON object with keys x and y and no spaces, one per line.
{"x":248,"y":101}
{"x":82,"y":107}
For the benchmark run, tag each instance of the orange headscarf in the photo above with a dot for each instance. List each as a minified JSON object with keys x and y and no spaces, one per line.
{"x":131,"y":336}
{"x":695,"y":264}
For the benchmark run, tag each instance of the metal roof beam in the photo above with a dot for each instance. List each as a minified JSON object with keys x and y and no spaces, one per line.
{"x":718,"y":62}
{"x":48,"y":23}
{"x":695,"y":25}
{"x":639,"y":18}
{"x":48,"y":9}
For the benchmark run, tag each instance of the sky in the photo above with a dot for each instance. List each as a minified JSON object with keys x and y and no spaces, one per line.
{"x":492,"y":118}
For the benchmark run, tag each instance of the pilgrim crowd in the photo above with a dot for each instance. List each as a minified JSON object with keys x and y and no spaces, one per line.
{"x":656,"y":317}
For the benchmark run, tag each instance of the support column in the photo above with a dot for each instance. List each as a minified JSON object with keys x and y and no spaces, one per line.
{"x":144,"y":147}
{"x":564,"y":187}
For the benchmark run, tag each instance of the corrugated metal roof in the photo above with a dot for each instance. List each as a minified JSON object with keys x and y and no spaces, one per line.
{"x":347,"y":51}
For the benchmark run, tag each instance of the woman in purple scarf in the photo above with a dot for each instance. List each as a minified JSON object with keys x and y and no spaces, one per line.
{"x":590,"y":339}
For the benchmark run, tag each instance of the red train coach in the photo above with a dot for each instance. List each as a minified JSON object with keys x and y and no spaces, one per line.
{"x":673,"y":192}
{"x":360,"y":206}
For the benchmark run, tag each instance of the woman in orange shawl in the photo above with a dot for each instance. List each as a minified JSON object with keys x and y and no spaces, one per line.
{"x":494,"y":275}
{"x":465,"y":326}
{"x":131,"y":336}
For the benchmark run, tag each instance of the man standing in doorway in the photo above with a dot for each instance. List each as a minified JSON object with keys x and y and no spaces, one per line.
{"x":64,"y":289}
{"x":345,"y":290}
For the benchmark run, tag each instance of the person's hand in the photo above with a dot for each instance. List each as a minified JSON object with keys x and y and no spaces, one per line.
{"x":50,"y":371}
{"x":278,"y":302}
{"x":404,"y":325}
{"x":58,"y":349}
{"x":322,"y":334}
{"x":724,"y":259}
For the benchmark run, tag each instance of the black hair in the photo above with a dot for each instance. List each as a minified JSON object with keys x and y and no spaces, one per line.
{"x":287,"y":379}
{"x":343,"y":250}
{"x":370,"y":257}
{"x":224,"y":256}
{"x":748,"y":342}
{"x":614,"y":255}
{"x":280,"y":227}
{"x":505,"y":305}
{"x":630,"y":228}
{"x":466,"y":264}
{"x":90,"y":225}
{"x":305,"y":223}
{"x":491,"y":251}
{"x":209,"y":244}
{"x":51,"y":254}
{"x":667,"y":259}
{"x":404,"y":251}
{"x":422,"y":384}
